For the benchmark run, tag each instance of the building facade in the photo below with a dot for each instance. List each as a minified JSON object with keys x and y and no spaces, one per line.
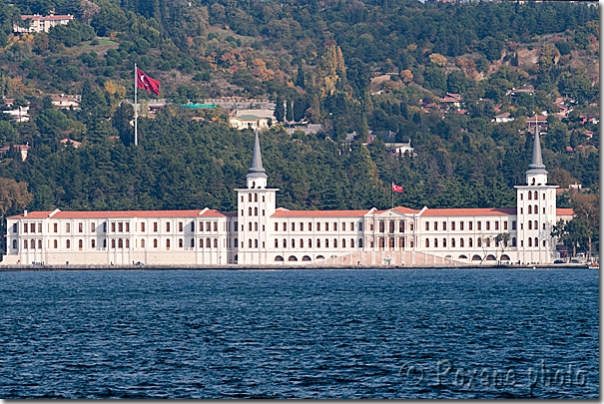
{"x":42,"y":23}
{"x":261,"y":234}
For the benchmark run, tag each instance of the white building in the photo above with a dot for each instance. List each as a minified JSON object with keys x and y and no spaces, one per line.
{"x":42,"y":23}
{"x":259,"y":233}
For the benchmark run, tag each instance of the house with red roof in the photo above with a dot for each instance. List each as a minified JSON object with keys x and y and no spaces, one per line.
{"x":259,"y":233}
{"x":41,"y":23}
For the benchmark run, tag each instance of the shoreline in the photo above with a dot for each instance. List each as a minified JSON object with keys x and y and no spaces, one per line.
{"x":235,"y":267}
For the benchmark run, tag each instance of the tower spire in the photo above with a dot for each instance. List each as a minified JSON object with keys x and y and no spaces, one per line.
{"x":256,"y":171}
{"x":537,"y":166}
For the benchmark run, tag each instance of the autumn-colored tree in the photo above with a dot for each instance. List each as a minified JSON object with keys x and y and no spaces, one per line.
{"x":438,"y":59}
{"x":406,"y":76}
{"x":13,"y":196}
{"x":88,"y":10}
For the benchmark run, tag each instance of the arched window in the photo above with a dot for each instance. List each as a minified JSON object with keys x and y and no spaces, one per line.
{"x":536,"y":242}
{"x":351,"y":243}
{"x":461,"y":243}
{"x":215,"y":243}
{"x":68,"y":244}
{"x":532,"y":183}
{"x":256,"y":226}
{"x":382,"y":243}
{"x":335,"y":243}
{"x":536,"y":210}
{"x":427,"y":243}
{"x":452,"y":243}
{"x":401,"y":243}
{"x":293,"y":243}
{"x":120,"y":243}
{"x":249,"y":211}
{"x":167,"y":244}
{"x":249,"y":197}
{"x":326,"y":243}
{"x":530,"y":209}
{"x":381,"y":226}
{"x":142,"y":243}
{"x":93,"y":243}
{"x":343,"y":243}
{"x":488,"y":240}
{"x":544,"y":243}
{"x":530,"y":195}
{"x":444,"y":243}
{"x":15,"y":244}
{"x":536,"y":196}
{"x":201,"y":243}
{"x":276,"y":243}
{"x":435,"y":243}
{"x":180,"y":243}
{"x":360,"y":243}
{"x":249,"y":226}
{"x":33,"y":244}
{"x":543,"y":196}
{"x":284,"y":243}
{"x":310,"y":243}
{"x":40,"y":244}
{"x":25,"y":244}
{"x":112,"y":243}
{"x":530,"y":225}
{"x":530,"y":242}
{"x":301,"y":243}
{"x":249,"y":243}
{"x":536,"y":225}
{"x":255,"y":211}
{"x":513,"y":241}
{"x":209,"y":243}
{"x":391,"y":226}
{"x":256,"y":243}
{"x":192,"y":243}
{"x":470,"y":242}
{"x":318,"y":243}
{"x":154,"y":243}
{"x":127,"y":243}
{"x":80,"y":244}
{"x":255,"y":197}
{"x":479,"y":242}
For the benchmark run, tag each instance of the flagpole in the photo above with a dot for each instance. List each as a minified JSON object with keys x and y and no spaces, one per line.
{"x":391,"y":195}
{"x":135,"y":107}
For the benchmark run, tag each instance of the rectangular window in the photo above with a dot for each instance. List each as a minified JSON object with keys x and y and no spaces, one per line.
{"x":470,"y":225}
{"x":352,"y":226}
{"x":113,"y":227}
{"x":143,"y":227}
{"x":208,"y":226}
{"x":435,"y":225}
{"x":40,"y":227}
{"x":167,"y":226}
{"x":361,"y":228}
{"x":15,"y":226}
{"x":326,"y":226}
{"x":514,"y":225}
{"x":92,"y":227}
{"x":344,"y":226}
{"x":120,"y":227}
{"x":445,"y":226}
{"x":180,"y":226}
{"x":309,"y":226}
{"x":427,"y":225}
{"x":32,"y":227}
{"x":496,"y":225}
{"x":276,"y":226}
{"x":284,"y":226}
{"x":67,"y":227}
{"x":453,"y":226}
{"x":215,"y":226}
{"x":488,"y":225}
{"x":301,"y":226}
{"x":461,"y":226}
{"x":294,"y":226}
{"x":318,"y":226}
{"x":127,"y":227}
{"x":25,"y":227}
{"x":479,"y":225}
{"x":155,"y":226}
{"x":335,"y":227}
{"x":505,"y":225}
{"x":81,"y":227}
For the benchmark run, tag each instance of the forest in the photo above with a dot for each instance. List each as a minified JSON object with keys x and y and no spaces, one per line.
{"x":321,"y":59}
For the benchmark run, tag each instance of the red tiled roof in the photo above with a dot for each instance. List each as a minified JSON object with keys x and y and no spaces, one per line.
{"x":121,"y":214}
{"x":399,"y":209}
{"x":281,"y":212}
{"x":564,"y":212}
{"x":470,"y":212}
{"x":47,"y":17}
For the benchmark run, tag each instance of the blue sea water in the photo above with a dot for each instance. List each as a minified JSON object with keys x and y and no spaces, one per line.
{"x":300,"y":334}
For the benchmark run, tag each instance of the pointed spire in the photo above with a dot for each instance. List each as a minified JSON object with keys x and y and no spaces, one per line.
{"x":256,"y":170}
{"x":536,"y":166}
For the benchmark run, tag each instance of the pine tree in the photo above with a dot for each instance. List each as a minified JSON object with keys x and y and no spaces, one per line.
{"x":289,"y":113}
{"x":279,"y":109}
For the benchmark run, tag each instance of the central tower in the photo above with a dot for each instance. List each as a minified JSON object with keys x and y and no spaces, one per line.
{"x":255,"y":205}
{"x":536,"y":211}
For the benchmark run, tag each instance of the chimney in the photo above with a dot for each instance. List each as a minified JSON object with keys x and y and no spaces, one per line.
{"x":25,"y":213}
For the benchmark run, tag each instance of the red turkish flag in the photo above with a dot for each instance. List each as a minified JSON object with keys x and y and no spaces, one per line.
{"x":146,"y":83}
{"x":397,"y":188}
